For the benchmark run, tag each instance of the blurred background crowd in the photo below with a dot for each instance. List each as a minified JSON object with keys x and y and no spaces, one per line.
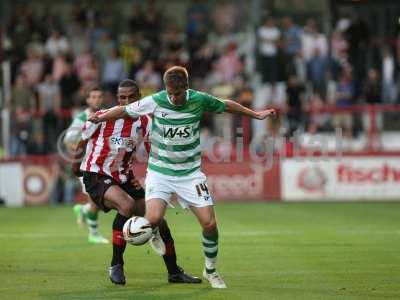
{"x":240,"y":50}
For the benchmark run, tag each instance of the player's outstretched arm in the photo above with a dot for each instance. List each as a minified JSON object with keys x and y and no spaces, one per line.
{"x":114,"y":113}
{"x":234,"y":107}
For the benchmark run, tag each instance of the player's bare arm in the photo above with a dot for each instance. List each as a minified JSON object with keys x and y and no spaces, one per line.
{"x":234,"y":107}
{"x":78,"y":154}
{"x":117,"y":112}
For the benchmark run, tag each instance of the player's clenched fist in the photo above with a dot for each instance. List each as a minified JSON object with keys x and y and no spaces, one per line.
{"x":261,"y":115}
{"x":94,"y":118}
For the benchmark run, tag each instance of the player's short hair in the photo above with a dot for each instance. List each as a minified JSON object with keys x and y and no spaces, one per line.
{"x":129,"y":83}
{"x":176,"y":77}
{"x":93,"y":89}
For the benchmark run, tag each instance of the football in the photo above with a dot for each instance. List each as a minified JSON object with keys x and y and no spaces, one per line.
{"x":137,"y":231}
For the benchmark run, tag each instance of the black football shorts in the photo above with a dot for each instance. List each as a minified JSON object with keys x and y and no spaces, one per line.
{"x":96,"y":186}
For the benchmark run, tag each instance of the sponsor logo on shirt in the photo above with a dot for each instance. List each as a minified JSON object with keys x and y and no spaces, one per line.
{"x":176,"y":133}
{"x":121,"y":142}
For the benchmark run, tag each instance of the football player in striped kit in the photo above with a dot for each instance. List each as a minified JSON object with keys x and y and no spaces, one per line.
{"x":175,"y":155}
{"x":108,"y":178}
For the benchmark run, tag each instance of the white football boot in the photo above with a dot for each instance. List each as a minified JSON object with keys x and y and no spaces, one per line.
{"x":156,"y":242}
{"x":214,"y":279}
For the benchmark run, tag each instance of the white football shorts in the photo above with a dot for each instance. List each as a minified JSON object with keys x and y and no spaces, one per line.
{"x":191,"y":190}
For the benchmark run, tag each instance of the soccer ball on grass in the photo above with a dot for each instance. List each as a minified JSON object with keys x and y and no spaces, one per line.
{"x":137,"y":231}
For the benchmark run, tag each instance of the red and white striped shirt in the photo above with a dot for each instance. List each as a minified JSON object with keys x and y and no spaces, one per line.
{"x":111,"y":145}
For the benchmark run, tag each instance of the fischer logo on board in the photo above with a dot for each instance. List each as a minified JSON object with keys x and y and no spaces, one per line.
{"x":346,"y":173}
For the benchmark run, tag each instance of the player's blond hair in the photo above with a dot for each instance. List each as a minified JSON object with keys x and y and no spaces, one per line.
{"x":176,"y":77}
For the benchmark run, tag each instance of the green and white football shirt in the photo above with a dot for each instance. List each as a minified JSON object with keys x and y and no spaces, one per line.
{"x":74,"y":131}
{"x":175,"y":132}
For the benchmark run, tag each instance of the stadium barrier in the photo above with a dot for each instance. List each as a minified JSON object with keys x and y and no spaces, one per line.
{"x":31,"y":180}
{"x":347,"y":178}
{"x":296,"y":173}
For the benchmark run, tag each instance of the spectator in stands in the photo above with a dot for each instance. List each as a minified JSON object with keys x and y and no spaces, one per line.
{"x":152,"y":21}
{"x":244,"y":96}
{"x":318,"y":121}
{"x":136,"y":21}
{"x":372,"y":88}
{"x":22,"y":107}
{"x":60,"y":67}
{"x":317,"y":70}
{"x":173,"y":41}
{"x":69,"y":85}
{"x":32,"y":68}
{"x":268,"y":36}
{"x":90,"y":76}
{"x":104,"y":46}
{"x":82,"y":60}
{"x":131,"y":54}
{"x":338,"y":44}
{"x":226,"y":17}
{"x":295,"y":102}
{"x":299,"y":67}
{"x":229,"y":64}
{"x":77,"y":31}
{"x":18,"y":32}
{"x":113,"y":71}
{"x":284,"y":69}
{"x":371,"y":94}
{"x":292,"y":37}
{"x":205,"y":50}
{"x":57,"y":44}
{"x":344,"y":98}
{"x":49,"y":106}
{"x":358,"y":36}
{"x":197,"y":22}
{"x":148,"y":79}
{"x":389,"y":74}
{"x":200,"y":64}
{"x":37,"y":144}
{"x":313,"y":39}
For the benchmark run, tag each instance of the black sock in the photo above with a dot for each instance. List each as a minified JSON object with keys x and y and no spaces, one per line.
{"x":170,"y":254}
{"x":118,"y":240}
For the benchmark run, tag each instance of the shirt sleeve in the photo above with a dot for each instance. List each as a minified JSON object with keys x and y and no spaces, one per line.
{"x":142,"y":107}
{"x":145,"y":126}
{"x":74,"y":131}
{"x":89,"y":129}
{"x":213,"y":104}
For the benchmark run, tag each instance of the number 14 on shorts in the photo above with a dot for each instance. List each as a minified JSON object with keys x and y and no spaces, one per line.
{"x":202,"y":190}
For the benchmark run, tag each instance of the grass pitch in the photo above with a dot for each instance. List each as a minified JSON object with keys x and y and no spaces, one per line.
{"x":267,"y":251}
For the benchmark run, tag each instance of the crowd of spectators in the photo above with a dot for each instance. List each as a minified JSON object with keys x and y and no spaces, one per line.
{"x":297,"y":67}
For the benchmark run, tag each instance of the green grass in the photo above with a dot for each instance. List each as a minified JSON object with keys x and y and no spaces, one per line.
{"x":267,"y":251}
